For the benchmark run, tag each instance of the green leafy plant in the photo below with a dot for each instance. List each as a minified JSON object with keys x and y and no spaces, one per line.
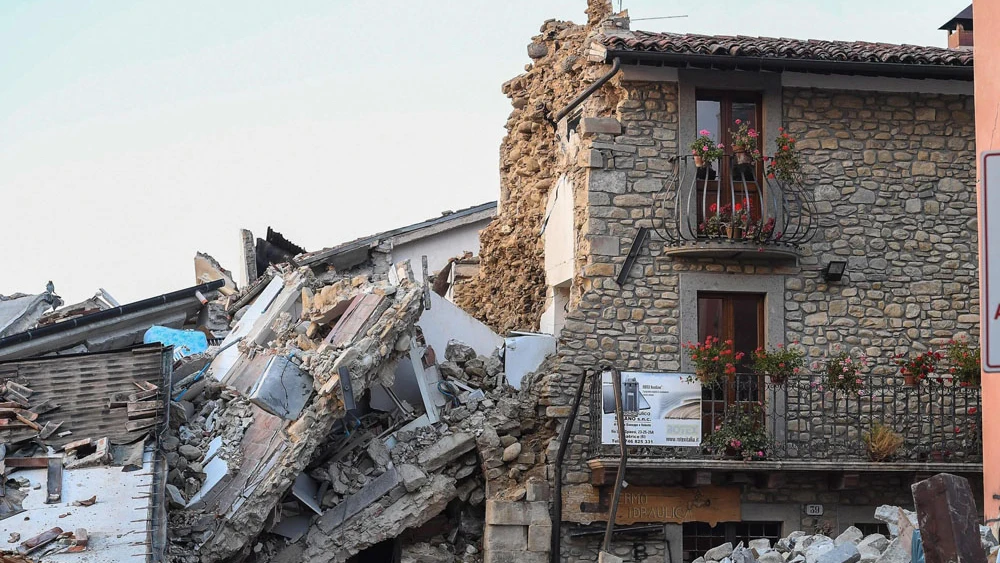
{"x":741,"y":433}
{"x":881,"y":442}
{"x":784,"y":165}
{"x":778,"y":363}
{"x":713,"y":359}
{"x":964,"y":362}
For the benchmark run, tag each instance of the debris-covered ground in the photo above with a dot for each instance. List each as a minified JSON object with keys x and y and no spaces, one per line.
{"x":851,"y":546}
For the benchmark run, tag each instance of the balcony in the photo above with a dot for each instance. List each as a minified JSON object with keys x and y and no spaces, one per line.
{"x":810,"y":428}
{"x":729,"y":209}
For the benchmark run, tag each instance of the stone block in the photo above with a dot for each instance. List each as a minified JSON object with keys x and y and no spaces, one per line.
{"x":948,"y":521}
{"x":923,"y":168}
{"x":770,"y":557}
{"x":540,"y":536}
{"x":606,"y":557}
{"x":851,"y":534}
{"x":815,"y":550}
{"x":537,"y":490}
{"x":605,"y":245}
{"x":894,"y":554}
{"x":447,"y":449}
{"x":505,"y":538}
{"x":873,"y":546}
{"x":508,"y":513}
{"x":412,"y":476}
{"x":720,"y":552}
{"x":600,"y":125}
{"x":590,"y":158}
{"x":846,"y":552}
{"x":522,"y":556}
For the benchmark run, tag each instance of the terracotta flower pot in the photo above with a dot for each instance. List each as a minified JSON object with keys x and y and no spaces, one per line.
{"x":742,"y":157}
{"x":909,"y":380}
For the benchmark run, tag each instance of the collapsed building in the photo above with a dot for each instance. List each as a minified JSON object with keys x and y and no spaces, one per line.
{"x":317,"y":412}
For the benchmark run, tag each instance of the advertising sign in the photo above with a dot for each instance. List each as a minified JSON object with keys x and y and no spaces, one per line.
{"x":660,"y":409}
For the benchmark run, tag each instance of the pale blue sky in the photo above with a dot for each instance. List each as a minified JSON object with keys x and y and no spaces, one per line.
{"x":133,"y":134}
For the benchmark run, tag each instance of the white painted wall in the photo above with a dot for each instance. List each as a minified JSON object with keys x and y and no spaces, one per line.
{"x":558,"y":234}
{"x":440,"y":247}
{"x":445,"y":321}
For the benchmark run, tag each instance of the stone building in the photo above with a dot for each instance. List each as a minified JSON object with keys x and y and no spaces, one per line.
{"x":604,"y":237}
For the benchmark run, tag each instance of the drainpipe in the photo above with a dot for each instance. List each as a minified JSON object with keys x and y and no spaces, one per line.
{"x":555,"y":511}
{"x":616,"y":381}
{"x":615,"y":67}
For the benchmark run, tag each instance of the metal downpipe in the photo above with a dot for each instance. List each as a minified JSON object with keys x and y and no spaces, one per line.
{"x":555,"y":511}
{"x":615,"y":67}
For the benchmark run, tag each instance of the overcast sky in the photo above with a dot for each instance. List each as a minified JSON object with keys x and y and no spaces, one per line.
{"x":133,"y":134}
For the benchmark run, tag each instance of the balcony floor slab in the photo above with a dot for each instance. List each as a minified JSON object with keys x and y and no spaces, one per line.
{"x":731,"y":250}
{"x":611,"y":464}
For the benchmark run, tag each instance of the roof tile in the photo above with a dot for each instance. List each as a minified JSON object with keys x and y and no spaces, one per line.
{"x":796,"y":49}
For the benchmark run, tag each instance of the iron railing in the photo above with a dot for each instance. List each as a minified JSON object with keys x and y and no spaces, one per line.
{"x":729,"y":202}
{"x":804,"y":420}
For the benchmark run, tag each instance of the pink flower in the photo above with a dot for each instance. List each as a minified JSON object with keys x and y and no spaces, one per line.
{"x":760,"y":454}
{"x":705,"y":148}
{"x":720,"y":146}
{"x":738,"y":121}
{"x":704,"y":133}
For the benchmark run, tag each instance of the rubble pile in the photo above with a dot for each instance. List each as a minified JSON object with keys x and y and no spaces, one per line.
{"x":334,"y":476}
{"x":509,"y":292}
{"x":851,"y":546}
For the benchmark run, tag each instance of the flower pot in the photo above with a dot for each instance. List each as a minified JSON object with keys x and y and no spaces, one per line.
{"x":909,"y":380}
{"x":699,"y":161}
{"x":734,"y":232}
{"x":743,"y":157}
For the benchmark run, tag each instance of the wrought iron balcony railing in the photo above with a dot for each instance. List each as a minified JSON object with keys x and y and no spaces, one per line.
{"x":804,"y":421}
{"x":730,"y":207}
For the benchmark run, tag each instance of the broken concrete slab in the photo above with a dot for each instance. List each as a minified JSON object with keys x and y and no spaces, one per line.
{"x":379,"y":522}
{"x":446,"y":450}
{"x":283,"y":389}
{"x":846,"y":552}
{"x":217,"y":474}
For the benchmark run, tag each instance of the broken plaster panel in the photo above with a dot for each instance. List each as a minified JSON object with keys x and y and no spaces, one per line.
{"x":116,"y":523}
{"x":444,"y":320}
{"x":227,"y":357}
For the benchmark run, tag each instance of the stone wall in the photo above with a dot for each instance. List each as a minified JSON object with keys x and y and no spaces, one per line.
{"x":509,"y":292}
{"x":892,"y":177}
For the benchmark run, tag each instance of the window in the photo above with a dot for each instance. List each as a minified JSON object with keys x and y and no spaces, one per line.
{"x":729,"y":182}
{"x":738,"y":317}
{"x":869,"y":528}
{"x":700,"y":537}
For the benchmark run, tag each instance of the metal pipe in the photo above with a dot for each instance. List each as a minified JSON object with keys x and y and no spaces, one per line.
{"x":616,"y":382}
{"x":555,"y":510}
{"x":615,"y":67}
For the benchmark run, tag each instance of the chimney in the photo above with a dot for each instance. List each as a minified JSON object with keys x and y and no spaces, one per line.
{"x":959,"y":30}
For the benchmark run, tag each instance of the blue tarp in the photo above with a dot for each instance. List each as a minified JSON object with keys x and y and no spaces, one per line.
{"x":916,"y":548}
{"x":185,"y":342}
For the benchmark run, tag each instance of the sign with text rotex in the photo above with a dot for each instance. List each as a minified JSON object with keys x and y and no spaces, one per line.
{"x":660,"y":409}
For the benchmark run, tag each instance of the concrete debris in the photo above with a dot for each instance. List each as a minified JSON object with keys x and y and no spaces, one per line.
{"x":254,"y":452}
{"x":851,"y":546}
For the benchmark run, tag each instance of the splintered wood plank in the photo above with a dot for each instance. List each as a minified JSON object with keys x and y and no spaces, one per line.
{"x":144,"y":409}
{"x":49,"y":429}
{"x":140,"y":424}
{"x":143,"y":395}
{"x":53,"y":481}
{"x":351,"y":323}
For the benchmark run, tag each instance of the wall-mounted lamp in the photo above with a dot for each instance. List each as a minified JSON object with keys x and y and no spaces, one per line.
{"x":834,"y":270}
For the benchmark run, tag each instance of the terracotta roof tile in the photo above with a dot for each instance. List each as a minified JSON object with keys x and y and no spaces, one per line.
{"x":793,"y":49}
